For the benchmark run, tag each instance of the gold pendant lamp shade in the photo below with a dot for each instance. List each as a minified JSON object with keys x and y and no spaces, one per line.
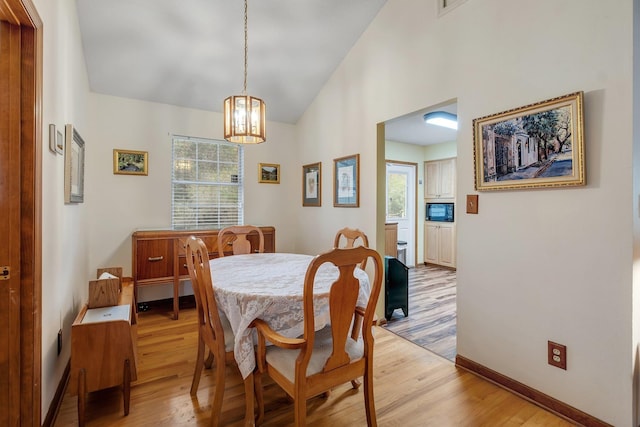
{"x":244,"y":118}
{"x":244,"y":115}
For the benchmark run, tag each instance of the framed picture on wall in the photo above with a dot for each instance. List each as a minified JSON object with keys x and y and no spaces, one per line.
{"x":73,"y":166}
{"x":346,"y":182}
{"x":59,"y":142}
{"x":538,"y":145}
{"x":130,"y":162}
{"x":269,"y":173}
{"x":52,"y":138}
{"x":312,"y":184}
{"x":56,"y":140}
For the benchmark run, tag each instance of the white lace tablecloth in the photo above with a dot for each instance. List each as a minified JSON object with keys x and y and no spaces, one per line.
{"x":269,"y":286}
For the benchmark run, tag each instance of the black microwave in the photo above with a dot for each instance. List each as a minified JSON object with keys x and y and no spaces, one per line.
{"x":442,"y":212}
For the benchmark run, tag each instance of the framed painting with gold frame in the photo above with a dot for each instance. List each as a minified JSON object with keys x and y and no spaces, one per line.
{"x":130,"y":162}
{"x":538,"y":145}
{"x":269,"y":173}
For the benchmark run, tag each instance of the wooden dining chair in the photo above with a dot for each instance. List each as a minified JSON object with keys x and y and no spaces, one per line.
{"x":240,"y":245}
{"x":214,"y":331}
{"x":351,"y":236}
{"x":311,"y":365}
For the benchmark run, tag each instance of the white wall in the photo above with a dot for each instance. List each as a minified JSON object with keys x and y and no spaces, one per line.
{"x":534,"y":265}
{"x":444,"y":150}
{"x":64,"y":227}
{"x":636,"y":200}
{"x":121,"y":204}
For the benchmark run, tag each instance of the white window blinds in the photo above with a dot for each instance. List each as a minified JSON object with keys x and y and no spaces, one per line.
{"x":206,"y":183}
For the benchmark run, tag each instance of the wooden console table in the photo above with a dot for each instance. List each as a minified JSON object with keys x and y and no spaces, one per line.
{"x":104,"y":349}
{"x":159,"y":255}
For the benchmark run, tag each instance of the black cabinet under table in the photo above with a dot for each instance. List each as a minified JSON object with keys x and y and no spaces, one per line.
{"x":396,"y":287}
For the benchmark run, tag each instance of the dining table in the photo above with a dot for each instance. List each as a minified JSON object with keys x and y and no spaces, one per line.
{"x":269,"y":286}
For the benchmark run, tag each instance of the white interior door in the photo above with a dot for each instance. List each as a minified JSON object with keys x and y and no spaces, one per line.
{"x":401,"y":204}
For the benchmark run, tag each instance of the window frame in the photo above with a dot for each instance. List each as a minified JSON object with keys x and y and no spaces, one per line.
{"x":180,"y":221}
{"x":406,"y":196}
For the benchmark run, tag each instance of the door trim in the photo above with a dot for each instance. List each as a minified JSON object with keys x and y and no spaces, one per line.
{"x":415,"y":214}
{"x":23,"y":13}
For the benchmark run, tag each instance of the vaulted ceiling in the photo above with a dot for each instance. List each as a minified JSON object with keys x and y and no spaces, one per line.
{"x":190,"y":53}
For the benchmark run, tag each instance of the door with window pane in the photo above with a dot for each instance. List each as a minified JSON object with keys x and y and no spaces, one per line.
{"x":401,"y":204}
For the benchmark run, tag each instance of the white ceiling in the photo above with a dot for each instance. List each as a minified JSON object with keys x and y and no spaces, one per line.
{"x":412,"y":129}
{"x":190,"y":53}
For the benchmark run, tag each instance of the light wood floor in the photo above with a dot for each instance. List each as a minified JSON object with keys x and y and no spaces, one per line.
{"x":413,"y":387}
{"x":432,"y":311}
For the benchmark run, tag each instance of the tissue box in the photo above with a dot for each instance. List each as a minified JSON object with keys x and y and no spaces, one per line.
{"x":105,"y":291}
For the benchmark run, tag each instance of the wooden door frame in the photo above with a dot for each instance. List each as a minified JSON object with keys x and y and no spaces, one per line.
{"x":415,"y":196}
{"x":23,"y":13}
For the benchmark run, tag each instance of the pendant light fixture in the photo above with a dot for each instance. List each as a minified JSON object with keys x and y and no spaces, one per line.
{"x":244,"y":115}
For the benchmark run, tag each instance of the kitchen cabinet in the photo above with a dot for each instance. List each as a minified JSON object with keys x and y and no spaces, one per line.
{"x":440,"y":179}
{"x":440,"y":243}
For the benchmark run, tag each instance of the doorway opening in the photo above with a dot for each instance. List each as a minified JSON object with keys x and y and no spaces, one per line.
{"x":432,"y":314}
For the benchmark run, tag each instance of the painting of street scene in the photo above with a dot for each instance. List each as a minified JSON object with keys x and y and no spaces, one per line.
{"x":537,"y":145}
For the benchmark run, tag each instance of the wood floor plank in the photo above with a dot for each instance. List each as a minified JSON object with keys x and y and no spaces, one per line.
{"x":413,"y":387}
{"x":432,"y":311}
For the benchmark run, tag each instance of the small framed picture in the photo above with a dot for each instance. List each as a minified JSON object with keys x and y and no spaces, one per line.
{"x":269,"y":173}
{"x":52,"y":138}
{"x":346,"y":182}
{"x":312,"y":184}
{"x":59,"y":142}
{"x":130,"y":162}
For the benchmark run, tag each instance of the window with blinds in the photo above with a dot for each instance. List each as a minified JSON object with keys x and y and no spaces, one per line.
{"x":206,"y":183}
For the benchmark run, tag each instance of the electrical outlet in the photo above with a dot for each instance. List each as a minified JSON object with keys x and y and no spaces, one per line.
{"x":557,"y":355}
{"x":59,"y":342}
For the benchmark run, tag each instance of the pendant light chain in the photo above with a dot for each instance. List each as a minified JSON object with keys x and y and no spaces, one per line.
{"x":246,"y":50}
{"x":244,"y":115}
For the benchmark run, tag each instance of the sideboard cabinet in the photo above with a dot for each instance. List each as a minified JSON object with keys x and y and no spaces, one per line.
{"x":159,"y":255}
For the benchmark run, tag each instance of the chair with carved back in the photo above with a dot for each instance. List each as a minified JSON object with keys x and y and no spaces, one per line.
{"x":240,"y":245}
{"x":351,"y":236}
{"x":214,"y":331}
{"x":318,"y":361}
